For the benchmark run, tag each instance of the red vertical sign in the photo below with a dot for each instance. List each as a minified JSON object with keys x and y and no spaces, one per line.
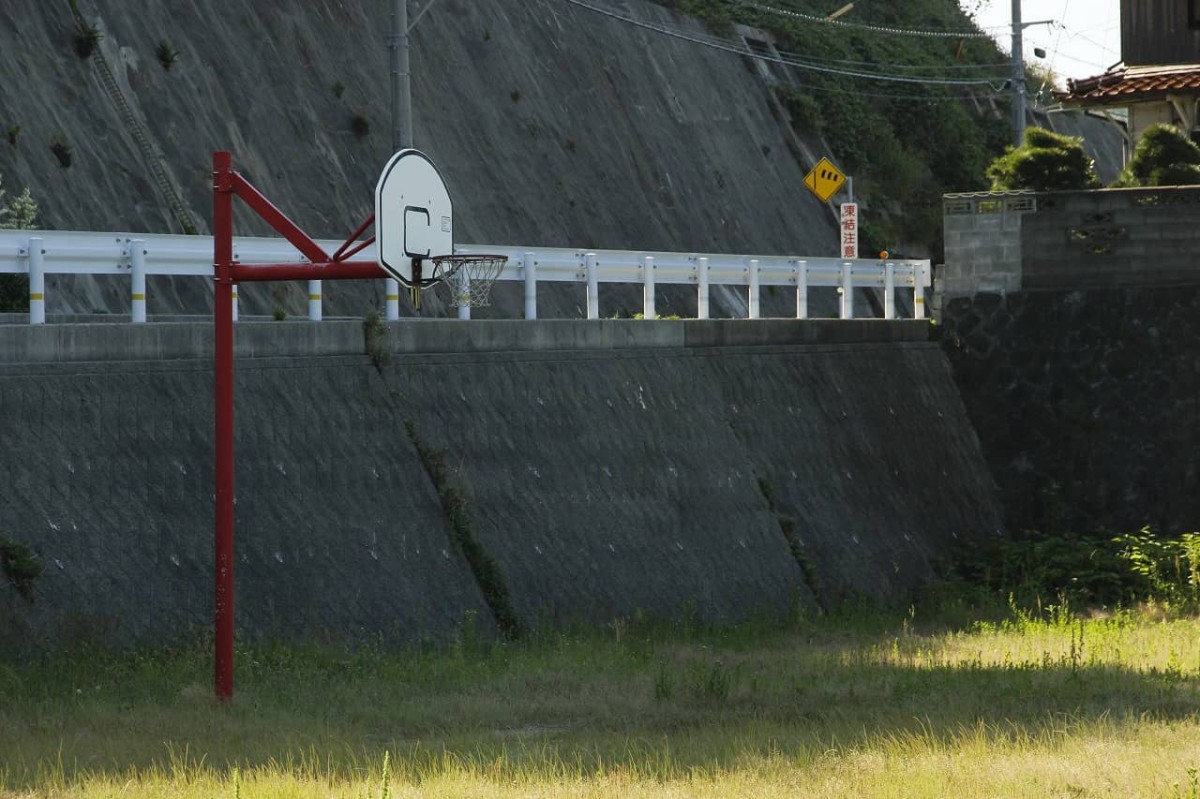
{"x":849,"y":247}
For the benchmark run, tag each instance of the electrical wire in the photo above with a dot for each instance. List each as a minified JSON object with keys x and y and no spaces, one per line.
{"x":865,"y":26}
{"x":726,"y":46}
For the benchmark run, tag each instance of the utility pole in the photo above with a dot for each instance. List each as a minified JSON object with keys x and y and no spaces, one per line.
{"x":1018,"y":76}
{"x":402,"y":135}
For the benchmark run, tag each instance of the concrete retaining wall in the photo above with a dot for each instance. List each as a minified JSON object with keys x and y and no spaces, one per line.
{"x":608,"y":468}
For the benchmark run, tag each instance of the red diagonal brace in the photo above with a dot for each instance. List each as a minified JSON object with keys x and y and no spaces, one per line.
{"x":278,"y":220}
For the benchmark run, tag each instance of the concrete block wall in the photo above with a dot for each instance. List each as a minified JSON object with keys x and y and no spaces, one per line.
{"x":609,"y":468}
{"x":983,"y":242}
{"x":1113,"y":238}
{"x":999,"y":243}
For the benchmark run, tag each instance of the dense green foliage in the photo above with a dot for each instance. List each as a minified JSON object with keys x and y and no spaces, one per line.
{"x":1036,"y":571}
{"x":1047,"y":161}
{"x":1164,"y":156}
{"x":905,"y":144}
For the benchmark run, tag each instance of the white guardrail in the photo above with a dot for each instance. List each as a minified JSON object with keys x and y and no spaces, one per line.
{"x":134,"y":256}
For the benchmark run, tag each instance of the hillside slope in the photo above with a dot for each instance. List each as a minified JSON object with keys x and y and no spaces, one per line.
{"x":554,"y":125}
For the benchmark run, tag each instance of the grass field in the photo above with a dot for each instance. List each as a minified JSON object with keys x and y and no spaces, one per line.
{"x":855,"y":705}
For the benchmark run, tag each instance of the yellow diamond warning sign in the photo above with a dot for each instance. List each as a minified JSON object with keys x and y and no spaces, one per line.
{"x":824,"y":180}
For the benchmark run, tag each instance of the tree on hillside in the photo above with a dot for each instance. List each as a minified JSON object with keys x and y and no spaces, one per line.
{"x":18,"y":214}
{"x":1047,"y":161}
{"x":1164,"y":156}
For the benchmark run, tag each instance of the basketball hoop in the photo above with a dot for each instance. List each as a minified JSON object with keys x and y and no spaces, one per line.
{"x":469,"y":277}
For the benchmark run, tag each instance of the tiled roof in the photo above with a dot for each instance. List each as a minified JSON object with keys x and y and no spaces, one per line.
{"x":1122,"y":85}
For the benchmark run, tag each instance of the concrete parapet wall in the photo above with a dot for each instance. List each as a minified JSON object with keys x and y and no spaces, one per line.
{"x":610,"y":468}
{"x":109,"y":341}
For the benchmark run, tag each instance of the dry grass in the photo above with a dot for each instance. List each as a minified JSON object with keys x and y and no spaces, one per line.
{"x":855,"y":706}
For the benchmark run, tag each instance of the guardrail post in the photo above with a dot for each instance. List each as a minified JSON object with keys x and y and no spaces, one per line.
{"x":593,"y":286}
{"x":648,"y":285}
{"x":889,"y":290}
{"x":530,"y":267}
{"x":37,"y":283}
{"x":702,"y":288}
{"x":233,"y":299}
{"x":392,"y":299}
{"x":755,"y":307}
{"x":314,"y":301}
{"x":847,"y":311}
{"x":919,"y":291}
{"x":137,"y":281}
{"x":462,"y":290}
{"x":801,"y":289}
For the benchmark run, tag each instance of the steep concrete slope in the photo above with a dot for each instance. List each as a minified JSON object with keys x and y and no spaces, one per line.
{"x":551,"y":124}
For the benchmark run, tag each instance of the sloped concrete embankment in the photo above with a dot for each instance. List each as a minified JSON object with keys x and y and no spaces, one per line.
{"x":722,"y":469}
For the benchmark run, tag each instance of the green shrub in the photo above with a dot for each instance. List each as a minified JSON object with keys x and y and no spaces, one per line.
{"x":1047,"y":161}
{"x":1164,"y":156}
{"x":1035,"y":570}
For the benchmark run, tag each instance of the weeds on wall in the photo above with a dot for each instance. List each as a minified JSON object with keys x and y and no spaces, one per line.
{"x":486,"y":570}
{"x":360,"y":126}
{"x":787,"y":526}
{"x":62,"y":150}
{"x":375,"y":341}
{"x":19,"y":566}
{"x":85,"y":39}
{"x":166,"y":55}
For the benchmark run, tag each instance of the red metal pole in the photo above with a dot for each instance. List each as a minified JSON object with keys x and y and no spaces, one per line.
{"x":223,"y":415}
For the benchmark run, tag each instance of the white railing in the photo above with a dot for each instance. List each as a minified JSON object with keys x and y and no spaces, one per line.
{"x":134,"y":256}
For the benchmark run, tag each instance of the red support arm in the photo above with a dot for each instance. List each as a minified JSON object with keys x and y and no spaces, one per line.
{"x":278,"y":220}
{"x":333,"y":270}
{"x":342,"y":253}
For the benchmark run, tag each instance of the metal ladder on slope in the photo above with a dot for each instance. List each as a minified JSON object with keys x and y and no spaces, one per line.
{"x":140,"y":135}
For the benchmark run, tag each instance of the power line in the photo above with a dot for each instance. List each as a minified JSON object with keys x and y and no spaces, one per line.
{"x":726,"y":46}
{"x":864,"y":26}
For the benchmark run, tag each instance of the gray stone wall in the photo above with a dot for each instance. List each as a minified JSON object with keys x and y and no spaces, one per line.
{"x":722,"y":468}
{"x":1085,"y":403}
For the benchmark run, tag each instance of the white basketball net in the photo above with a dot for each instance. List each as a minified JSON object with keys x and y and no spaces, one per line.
{"x":469,"y":278}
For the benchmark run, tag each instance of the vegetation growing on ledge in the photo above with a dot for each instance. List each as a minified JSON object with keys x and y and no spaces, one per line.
{"x":905,"y":144}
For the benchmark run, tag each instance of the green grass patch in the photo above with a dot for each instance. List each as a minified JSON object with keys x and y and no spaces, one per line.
{"x":851,"y":704}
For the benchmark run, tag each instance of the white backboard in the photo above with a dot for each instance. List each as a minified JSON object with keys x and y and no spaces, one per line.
{"x":413,"y":215}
